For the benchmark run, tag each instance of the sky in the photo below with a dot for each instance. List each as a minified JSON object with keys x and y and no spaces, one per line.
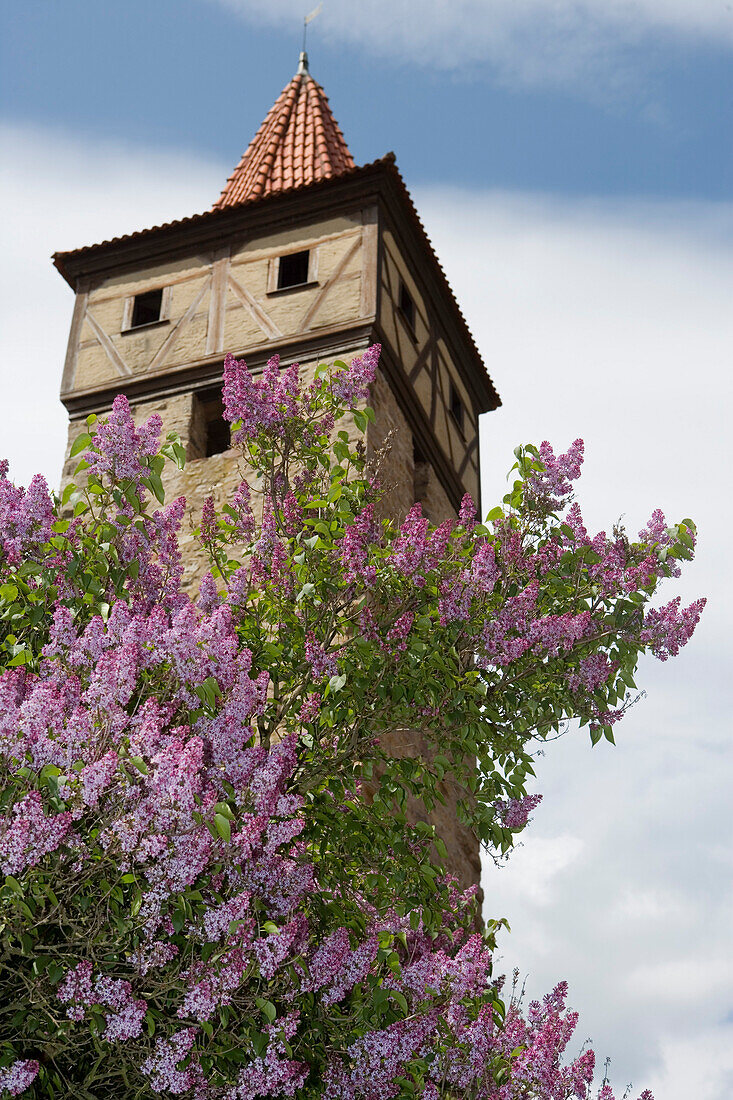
{"x":571,"y":160}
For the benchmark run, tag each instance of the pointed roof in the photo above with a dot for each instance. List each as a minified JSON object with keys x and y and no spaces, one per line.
{"x":298,"y":143}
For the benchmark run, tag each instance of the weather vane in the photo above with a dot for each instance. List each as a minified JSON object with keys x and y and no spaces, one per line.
{"x":308,"y":19}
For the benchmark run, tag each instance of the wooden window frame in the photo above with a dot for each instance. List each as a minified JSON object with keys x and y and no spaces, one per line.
{"x":273,"y":272}
{"x":129,"y":306}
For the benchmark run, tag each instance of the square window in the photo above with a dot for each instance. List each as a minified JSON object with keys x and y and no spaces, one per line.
{"x":293,"y":270}
{"x":456,"y":406}
{"x":407,"y":306}
{"x":209,"y":432}
{"x":147,"y":308}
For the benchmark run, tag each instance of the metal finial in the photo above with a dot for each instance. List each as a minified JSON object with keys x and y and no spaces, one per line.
{"x":303,"y":62}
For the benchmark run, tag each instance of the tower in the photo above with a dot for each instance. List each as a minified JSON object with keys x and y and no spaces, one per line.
{"x":304,"y":254}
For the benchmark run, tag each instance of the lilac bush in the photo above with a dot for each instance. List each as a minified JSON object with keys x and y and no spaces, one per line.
{"x":215,"y":882}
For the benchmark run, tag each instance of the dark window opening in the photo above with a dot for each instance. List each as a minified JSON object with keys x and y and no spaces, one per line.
{"x":218,"y":431}
{"x":146,"y":308}
{"x":456,"y":406}
{"x":210,"y":433}
{"x":421,"y":473}
{"x":407,"y":306}
{"x":293,"y":270}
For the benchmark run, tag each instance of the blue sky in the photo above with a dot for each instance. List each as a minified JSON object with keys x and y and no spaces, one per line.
{"x":571,"y":160}
{"x":652,"y":117}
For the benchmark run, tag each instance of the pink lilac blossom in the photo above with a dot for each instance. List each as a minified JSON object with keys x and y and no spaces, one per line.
{"x":152,"y":956}
{"x":398,"y":634}
{"x":263,"y":404}
{"x":592,"y":671}
{"x":551,"y":487}
{"x":209,"y":597}
{"x":292,"y":514}
{"x":327,"y":960}
{"x":354,"y":550}
{"x":268,"y":560}
{"x":310,"y":709}
{"x":514,"y":814}
{"x":667,"y":629}
{"x":26,"y":516}
{"x":30,"y":834}
{"x":351,"y":386}
{"x":322,"y":663}
{"x":467,"y":513}
{"x":213,"y":986}
{"x":417,"y":550}
{"x":274,"y":950}
{"x":277,"y":1074}
{"x":119,"y":446}
{"x":209,"y":524}
{"x":354,"y":968}
{"x":20,"y":1076}
{"x":161,"y":1066}
{"x":240,"y":511}
{"x":78,"y":991}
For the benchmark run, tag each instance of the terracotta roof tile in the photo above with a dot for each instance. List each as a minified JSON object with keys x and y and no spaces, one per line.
{"x":298,"y":143}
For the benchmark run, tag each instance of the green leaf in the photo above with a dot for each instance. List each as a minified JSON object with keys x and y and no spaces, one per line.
{"x":156,"y":486}
{"x":223,"y":827}
{"x":21,"y":658}
{"x":80,"y":444}
{"x":267,"y":1008}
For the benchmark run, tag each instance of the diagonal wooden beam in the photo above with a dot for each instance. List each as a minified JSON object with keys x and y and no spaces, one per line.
{"x":332,"y":279}
{"x":110,"y":350}
{"x":254,"y":309}
{"x":467,"y":456}
{"x":167,"y":346}
{"x":422,"y":358}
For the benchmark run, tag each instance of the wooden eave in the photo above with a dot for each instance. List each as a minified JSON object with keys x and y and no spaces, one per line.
{"x":379,"y":182}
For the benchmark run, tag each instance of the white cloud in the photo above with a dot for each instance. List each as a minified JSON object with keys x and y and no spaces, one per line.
{"x":532,"y":41}
{"x":58,"y":193}
{"x":538,"y":866}
{"x":608,"y":320}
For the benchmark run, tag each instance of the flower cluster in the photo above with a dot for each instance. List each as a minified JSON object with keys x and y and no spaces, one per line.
{"x":121,"y":447}
{"x":20,"y":1076}
{"x":26,"y":516}
{"x":215,"y":812}
{"x":550,"y":486}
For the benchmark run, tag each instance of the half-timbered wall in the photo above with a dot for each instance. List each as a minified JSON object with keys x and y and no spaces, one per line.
{"x":422,"y":351}
{"x":223,"y":300}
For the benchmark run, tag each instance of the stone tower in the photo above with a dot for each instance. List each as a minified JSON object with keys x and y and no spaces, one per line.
{"x":304,"y":254}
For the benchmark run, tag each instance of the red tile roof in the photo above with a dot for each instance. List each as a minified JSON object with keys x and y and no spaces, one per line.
{"x":298,"y":143}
